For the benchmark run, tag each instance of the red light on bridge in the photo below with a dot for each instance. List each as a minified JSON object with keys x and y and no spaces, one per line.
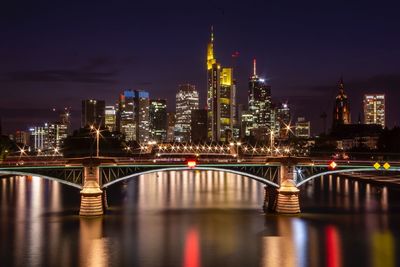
{"x":191,"y":163}
{"x":332,"y":165}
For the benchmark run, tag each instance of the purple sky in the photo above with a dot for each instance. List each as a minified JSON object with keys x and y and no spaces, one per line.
{"x":55,"y":55}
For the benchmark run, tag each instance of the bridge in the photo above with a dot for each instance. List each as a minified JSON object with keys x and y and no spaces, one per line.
{"x":283,"y":176}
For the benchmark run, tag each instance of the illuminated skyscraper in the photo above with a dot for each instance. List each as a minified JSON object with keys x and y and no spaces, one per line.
{"x":133,"y":115}
{"x":126,"y":115}
{"x":39,"y":137}
{"x":110,"y":118}
{"x":57,"y":132}
{"x":374,"y":109}
{"x":65,"y":118}
{"x":341,"y":111}
{"x":284,"y":118}
{"x":187,"y":99}
{"x":221,"y":95}
{"x":22,"y":138}
{"x":302,"y":129}
{"x":142,"y":115}
{"x":259,"y":100}
{"x":92,"y":112}
{"x":158,"y":120}
{"x":247,"y":122}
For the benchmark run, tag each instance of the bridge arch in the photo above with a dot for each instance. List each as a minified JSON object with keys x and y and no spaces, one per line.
{"x":248,"y":175}
{"x":367,"y":169}
{"x":19,"y":173}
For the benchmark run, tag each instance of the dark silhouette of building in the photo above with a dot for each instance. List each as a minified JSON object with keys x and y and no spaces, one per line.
{"x":199,"y":126}
{"x":170,"y":126}
{"x":93,"y":112}
{"x":158,"y":120}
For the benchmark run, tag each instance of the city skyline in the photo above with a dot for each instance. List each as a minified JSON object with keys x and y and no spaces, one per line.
{"x":299,"y":74}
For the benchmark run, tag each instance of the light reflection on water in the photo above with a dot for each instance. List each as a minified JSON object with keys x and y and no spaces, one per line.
{"x":198,"y":218}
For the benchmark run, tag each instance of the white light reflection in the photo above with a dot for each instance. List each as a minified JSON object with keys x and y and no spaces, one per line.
{"x":55,"y":196}
{"x":194,"y":189}
{"x":322,"y":182}
{"x":356,"y":196}
{"x":367,"y":195}
{"x":35,"y":243}
{"x":300,"y":233}
{"x":330,"y":191}
{"x":346,"y":194}
{"x":4,"y":202}
{"x":337,"y":184}
{"x":384,"y":198}
{"x":279,"y":250}
{"x":20,"y":192}
{"x":93,"y":247}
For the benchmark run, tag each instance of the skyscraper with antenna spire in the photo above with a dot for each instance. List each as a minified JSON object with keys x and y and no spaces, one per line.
{"x":221,"y":95}
{"x":259,"y":96}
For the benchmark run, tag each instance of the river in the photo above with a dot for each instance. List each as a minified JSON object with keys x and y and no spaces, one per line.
{"x":198,"y":218}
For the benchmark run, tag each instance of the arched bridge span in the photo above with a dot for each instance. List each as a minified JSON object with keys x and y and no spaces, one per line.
{"x":25,"y":173}
{"x":268,"y":175}
{"x":347,"y":170}
{"x":68,"y":175}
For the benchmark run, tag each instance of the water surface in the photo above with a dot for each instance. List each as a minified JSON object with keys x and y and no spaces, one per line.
{"x":198,"y":218}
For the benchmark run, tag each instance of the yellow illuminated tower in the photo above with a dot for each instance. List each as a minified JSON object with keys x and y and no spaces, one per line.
{"x":221,"y":96}
{"x":210,"y":51}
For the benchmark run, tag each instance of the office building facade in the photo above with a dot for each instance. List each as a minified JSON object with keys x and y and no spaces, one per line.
{"x":221,"y":97}
{"x":187,"y":99}
{"x":110,"y":118}
{"x":259,"y":97}
{"x":374,"y":109}
{"x":133,"y":118}
{"x":303,"y":128}
{"x":158,"y":120}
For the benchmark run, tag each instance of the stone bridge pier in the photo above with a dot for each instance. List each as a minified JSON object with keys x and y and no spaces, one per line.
{"x":91,"y":194}
{"x":285,"y":199}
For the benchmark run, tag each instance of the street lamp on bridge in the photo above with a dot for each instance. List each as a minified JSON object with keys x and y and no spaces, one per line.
{"x":97,"y":139}
{"x":236,"y":146}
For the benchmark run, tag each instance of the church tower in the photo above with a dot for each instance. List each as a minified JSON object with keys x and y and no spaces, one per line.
{"x":341,"y":111}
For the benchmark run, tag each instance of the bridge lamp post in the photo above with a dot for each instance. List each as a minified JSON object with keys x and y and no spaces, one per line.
{"x":237,"y":144}
{"x":97,"y":142}
{"x":271,"y":145}
{"x":97,"y":139}
{"x":22,"y":152}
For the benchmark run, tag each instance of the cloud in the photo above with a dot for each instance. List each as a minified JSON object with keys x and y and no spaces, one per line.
{"x":99,"y":70}
{"x":381,"y":82}
{"x":61,"y":75}
{"x":98,"y":62}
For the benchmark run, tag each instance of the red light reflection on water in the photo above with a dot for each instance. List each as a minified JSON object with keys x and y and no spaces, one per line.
{"x":333,"y":250}
{"x":192,"y":249}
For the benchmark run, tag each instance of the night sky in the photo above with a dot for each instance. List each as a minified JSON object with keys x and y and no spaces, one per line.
{"x":54,"y":55}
